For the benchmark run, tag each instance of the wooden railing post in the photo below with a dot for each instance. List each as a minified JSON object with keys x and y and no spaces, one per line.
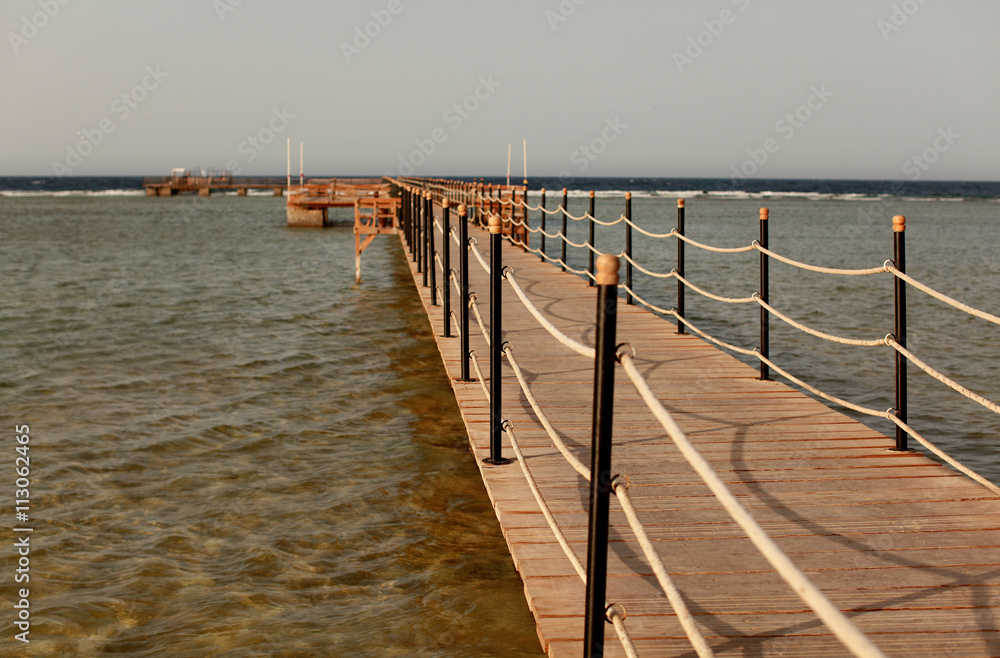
{"x":899,"y":260}
{"x":600,"y":455}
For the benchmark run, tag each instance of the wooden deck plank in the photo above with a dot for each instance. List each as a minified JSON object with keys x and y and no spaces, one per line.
{"x":907,"y":547}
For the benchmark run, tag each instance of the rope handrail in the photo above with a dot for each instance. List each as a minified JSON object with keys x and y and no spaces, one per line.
{"x":657,"y":275}
{"x":652,"y":557}
{"x":672,"y":233}
{"x":983,"y":315}
{"x":944,"y":379}
{"x":817,"y":268}
{"x":616,"y":619}
{"x":858,"y":342}
{"x":479,"y":317}
{"x":472,"y":247}
{"x":718,"y":298}
{"x":437,"y":225}
{"x":707,"y":247}
{"x":579,"y":348}
{"x":833,"y":618}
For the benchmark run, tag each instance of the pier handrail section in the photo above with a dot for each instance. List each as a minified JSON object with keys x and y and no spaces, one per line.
{"x":479,"y":206}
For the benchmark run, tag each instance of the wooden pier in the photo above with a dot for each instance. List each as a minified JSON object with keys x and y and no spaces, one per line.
{"x":907,"y":548}
{"x":205,"y":185}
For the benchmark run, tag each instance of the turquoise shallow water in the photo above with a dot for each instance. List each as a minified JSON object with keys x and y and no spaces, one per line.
{"x":238,"y":451}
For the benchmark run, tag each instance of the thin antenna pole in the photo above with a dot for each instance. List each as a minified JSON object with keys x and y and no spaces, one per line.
{"x":525,"y":158}
{"x":508,"y":164}
{"x":301,"y":168}
{"x":288,"y":185}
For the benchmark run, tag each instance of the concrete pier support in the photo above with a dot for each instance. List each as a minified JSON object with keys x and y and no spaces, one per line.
{"x":150,"y":190}
{"x":298,"y":216}
{"x":279,"y":191}
{"x":165,"y":191}
{"x":205,"y":191}
{"x":242,"y":191}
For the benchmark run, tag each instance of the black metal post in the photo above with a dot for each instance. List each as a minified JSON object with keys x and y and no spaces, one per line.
{"x":680,"y":264}
{"x":565,"y":211}
{"x":899,"y":259}
{"x":628,"y":249}
{"x":600,"y":455}
{"x":496,"y":341}
{"x":446,"y":259}
{"x":541,"y":242}
{"x":431,"y":263}
{"x":463,"y":275}
{"x":590,"y":241}
{"x":422,"y":201}
{"x":765,"y":317}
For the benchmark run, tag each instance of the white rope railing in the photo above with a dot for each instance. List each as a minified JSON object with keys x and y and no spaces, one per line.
{"x":705,"y":293}
{"x":816,"y":268}
{"x":947,"y":381}
{"x":706,"y":247}
{"x":655,"y":275}
{"x":833,"y":618}
{"x":616,"y":619}
{"x":579,"y":348}
{"x":472,"y":247}
{"x":479,"y":317}
{"x":857,"y":342}
{"x":989,"y":317}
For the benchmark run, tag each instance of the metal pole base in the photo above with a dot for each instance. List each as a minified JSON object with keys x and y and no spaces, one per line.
{"x":503,"y":461}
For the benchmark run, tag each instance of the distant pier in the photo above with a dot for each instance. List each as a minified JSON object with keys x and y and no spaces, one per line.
{"x":205,"y":185}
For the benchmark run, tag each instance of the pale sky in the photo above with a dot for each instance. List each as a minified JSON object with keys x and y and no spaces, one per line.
{"x":898,"y":89}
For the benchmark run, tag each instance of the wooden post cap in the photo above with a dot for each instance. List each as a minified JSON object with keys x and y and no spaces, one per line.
{"x":680,"y":203}
{"x":628,"y":195}
{"x":899,"y":224}
{"x":542,"y":190}
{"x":462,"y":209}
{"x":763,"y":214}
{"x":607,"y":270}
{"x":444,"y":202}
{"x":564,"y":190}
{"x":427,"y":195}
{"x":496,"y":224}
{"x":592,"y":194}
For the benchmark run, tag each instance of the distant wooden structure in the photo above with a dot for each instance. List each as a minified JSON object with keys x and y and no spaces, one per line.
{"x":204,"y":185}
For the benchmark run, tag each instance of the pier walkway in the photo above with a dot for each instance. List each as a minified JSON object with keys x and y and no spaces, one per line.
{"x":906,"y":548}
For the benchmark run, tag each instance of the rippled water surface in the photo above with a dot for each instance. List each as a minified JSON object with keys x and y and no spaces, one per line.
{"x":236,"y":450}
